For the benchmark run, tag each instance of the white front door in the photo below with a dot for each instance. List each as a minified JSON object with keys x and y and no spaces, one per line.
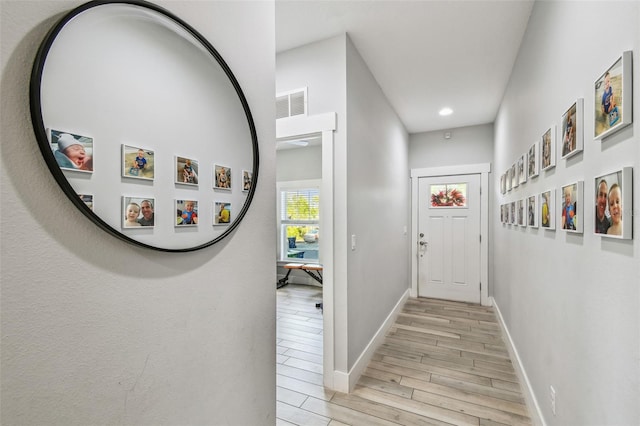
{"x":449,"y":237}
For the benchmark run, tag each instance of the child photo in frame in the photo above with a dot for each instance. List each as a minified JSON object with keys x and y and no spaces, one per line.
{"x":532,"y":211}
{"x":571,"y":212}
{"x":71,"y":151}
{"x":247,"y":180}
{"x":221,"y":177}
{"x":137,"y":162}
{"x":520,"y":213}
{"x":532,"y":160}
{"x":548,"y":149}
{"x":87,"y":199}
{"x":547,"y":217}
{"x":186,"y":213}
{"x":572,"y":129}
{"x":612,"y":96}
{"x":522,"y":171}
{"x":186,"y":171}
{"x":613,"y":193}
{"x":221,"y":213}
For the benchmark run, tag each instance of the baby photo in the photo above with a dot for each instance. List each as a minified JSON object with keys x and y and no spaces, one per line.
{"x":71,"y":151}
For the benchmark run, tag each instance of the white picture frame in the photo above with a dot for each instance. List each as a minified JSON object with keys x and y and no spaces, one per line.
{"x":572,"y":130}
{"x":617,"y":80}
{"x":571,"y":207}
{"x":548,"y":149}
{"x":618,"y":214}
{"x":533,"y":157}
{"x":546,"y":206}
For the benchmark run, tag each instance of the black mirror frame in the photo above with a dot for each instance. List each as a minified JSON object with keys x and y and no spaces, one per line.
{"x":43,"y":141}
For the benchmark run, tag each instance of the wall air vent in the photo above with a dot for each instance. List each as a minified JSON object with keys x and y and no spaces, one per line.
{"x":292,"y":103}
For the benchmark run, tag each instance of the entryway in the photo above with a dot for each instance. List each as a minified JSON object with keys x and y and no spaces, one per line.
{"x":450,"y":225}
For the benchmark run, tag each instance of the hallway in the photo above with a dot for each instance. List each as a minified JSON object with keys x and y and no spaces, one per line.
{"x":441,"y":363}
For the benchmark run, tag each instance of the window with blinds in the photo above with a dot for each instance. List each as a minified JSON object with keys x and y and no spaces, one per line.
{"x":299,"y":224}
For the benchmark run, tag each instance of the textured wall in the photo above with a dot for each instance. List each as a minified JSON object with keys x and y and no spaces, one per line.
{"x":571,"y":301}
{"x":96,"y":331}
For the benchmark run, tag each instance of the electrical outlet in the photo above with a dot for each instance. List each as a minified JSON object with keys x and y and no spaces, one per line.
{"x":552,"y":398}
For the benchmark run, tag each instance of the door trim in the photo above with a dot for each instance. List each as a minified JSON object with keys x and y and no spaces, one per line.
{"x":326,"y":125}
{"x":483,"y":169}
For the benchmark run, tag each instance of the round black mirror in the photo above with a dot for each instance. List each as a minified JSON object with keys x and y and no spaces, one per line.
{"x":144,"y":126}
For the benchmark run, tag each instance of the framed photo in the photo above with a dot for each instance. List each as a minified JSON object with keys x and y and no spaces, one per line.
{"x":514,"y":176}
{"x":571,"y":207}
{"x":532,"y":211}
{"x":532,"y":160}
{"x":522,"y":171}
{"x":520,"y":213}
{"x":87,"y":199}
{"x":137,"y":212}
{"x":186,"y":213}
{"x":501,"y":213}
{"x":547,"y":209}
{"x":512,"y":213}
{"x":221,"y":177}
{"x":571,"y":129}
{"x":448,"y":195}
{"x":614,"y":204}
{"x":247,"y":180}
{"x":221,"y":213}
{"x":71,"y":151}
{"x":186,"y":171}
{"x":613,"y":98}
{"x":548,"y":160}
{"x":508,"y":179}
{"x":137,"y":162}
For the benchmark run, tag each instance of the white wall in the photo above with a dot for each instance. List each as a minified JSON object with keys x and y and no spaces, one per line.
{"x":377,"y":205}
{"x":571,"y":302}
{"x":299,"y":164}
{"x":96,"y":331}
{"x":467,"y":145}
{"x":371,"y":187}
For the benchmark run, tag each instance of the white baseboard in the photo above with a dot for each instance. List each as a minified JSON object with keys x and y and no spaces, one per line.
{"x":346,"y":382}
{"x":532,"y":403}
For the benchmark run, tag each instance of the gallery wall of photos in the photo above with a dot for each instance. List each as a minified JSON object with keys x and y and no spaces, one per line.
{"x":562,"y":205}
{"x":139,"y":168}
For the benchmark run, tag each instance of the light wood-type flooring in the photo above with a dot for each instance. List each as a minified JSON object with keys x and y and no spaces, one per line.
{"x":441,"y":363}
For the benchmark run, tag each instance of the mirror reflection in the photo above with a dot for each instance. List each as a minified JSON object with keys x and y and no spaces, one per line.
{"x":144,"y":126}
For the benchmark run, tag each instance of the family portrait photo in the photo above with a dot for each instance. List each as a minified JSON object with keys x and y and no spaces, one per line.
{"x":71,"y":151}
{"x":532,"y":211}
{"x":612,"y":193}
{"x":137,"y":212}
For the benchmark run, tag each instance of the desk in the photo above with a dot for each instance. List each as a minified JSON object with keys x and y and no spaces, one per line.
{"x":314,"y":270}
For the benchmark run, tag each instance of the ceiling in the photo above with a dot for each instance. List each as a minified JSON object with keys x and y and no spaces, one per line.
{"x":424,"y":54}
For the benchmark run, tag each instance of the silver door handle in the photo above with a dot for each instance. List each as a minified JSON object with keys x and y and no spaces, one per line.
{"x":423,"y":243}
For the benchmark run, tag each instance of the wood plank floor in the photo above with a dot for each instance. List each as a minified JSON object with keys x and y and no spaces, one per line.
{"x":441,"y":363}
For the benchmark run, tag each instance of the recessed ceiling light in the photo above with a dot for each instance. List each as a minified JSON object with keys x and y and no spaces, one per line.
{"x":446,"y":111}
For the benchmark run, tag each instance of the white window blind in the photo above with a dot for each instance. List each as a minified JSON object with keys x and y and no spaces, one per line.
{"x":301,"y":205}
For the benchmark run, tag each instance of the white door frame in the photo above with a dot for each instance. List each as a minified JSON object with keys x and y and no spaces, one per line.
{"x":326,"y":125}
{"x":483,"y":169}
